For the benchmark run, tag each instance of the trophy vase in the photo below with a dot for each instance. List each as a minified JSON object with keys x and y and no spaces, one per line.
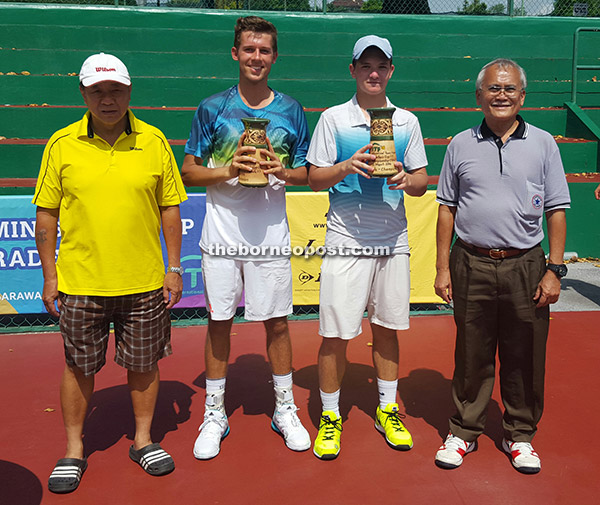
{"x":382,"y":138}
{"x":256,"y":136}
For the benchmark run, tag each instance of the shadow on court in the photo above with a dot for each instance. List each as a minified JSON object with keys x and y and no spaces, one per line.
{"x":249,"y":385}
{"x":358,"y":390}
{"x":427,"y":394}
{"x":110,"y":415}
{"x":19,"y":485}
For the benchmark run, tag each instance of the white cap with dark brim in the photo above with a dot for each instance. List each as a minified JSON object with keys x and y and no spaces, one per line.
{"x":103,"y":67}
{"x":371,"y":40}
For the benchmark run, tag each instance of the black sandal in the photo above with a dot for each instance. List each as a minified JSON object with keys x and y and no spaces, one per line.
{"x":66,"y":475}
{"x":153,"y":459}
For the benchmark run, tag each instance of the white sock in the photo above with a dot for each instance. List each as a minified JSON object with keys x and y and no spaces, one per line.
{"x":283,"y":389}
{"x":283,"y":381}
{"x":331,"y":401}
{"x":387,"y":392}
{"x":215,"y":394}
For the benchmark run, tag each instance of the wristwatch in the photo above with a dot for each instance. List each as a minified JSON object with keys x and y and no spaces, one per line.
{"x":559,"y":270}
{"x":175,"y":270}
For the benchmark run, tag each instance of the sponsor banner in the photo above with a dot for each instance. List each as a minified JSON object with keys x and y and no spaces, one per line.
{"x":20,"y":267}
{"x":21,"y":279}
{"x":307,"y":215}
{"x":421,"y":214}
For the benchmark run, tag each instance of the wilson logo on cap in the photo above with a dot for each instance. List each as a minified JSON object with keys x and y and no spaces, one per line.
{"x":103,"y":67}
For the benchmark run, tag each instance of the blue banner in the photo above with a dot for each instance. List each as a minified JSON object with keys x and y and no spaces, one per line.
{"x":21,"y":279}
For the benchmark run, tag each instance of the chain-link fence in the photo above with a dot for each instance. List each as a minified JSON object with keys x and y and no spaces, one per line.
{"x":28,"y":323}
{"x":565,"y":8}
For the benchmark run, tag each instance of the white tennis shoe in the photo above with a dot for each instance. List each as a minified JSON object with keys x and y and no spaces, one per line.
{"x":214,"y":429}
{"x":450,"y":455}
{"x":523,"y":456}
{"x":287,"y":424}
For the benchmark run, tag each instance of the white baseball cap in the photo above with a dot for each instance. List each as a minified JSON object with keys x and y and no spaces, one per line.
{"x":103,"y":67}
{"x":371,"y":40}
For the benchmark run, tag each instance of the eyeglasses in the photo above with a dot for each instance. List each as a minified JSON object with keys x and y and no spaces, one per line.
{"x":508,"y":90}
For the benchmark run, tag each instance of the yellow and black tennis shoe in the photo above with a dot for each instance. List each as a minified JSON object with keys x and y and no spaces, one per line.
{"x":388,"y":422}
{"x":327,"y":443}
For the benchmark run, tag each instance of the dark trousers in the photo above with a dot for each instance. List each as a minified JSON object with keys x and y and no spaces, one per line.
{"x":494,"y":308}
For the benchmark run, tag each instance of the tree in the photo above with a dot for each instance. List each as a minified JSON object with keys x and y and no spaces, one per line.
{"x":497,"y":9}
{"x":478,"y":8}
{"x":475,"y":8}
{"x":372,"y":6}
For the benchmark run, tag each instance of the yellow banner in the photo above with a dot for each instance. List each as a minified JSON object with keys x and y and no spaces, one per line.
{"x":307,"y":216}
{"x":421,"y":214}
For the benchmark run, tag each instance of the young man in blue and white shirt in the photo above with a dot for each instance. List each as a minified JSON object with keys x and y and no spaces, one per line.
{"x":366,"y":225}
{"x":240,"y":218}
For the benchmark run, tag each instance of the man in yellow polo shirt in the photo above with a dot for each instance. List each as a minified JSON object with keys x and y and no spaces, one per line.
{"x":113,"y":181}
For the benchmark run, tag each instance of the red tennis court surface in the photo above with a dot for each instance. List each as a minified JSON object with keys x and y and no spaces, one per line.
{"x":255,"y":467}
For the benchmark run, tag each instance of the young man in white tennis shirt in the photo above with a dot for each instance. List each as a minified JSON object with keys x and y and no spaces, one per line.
{"x":365,"y":213}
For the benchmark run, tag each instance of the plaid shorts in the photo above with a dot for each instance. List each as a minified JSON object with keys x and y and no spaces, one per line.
{"x":142,"y":330}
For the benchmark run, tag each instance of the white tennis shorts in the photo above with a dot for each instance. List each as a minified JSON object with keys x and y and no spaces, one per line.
{"x":351,"y":284}
{"x":267,"y":287}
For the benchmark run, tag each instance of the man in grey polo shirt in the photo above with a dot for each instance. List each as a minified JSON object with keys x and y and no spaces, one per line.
{"x":497,"y":182}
